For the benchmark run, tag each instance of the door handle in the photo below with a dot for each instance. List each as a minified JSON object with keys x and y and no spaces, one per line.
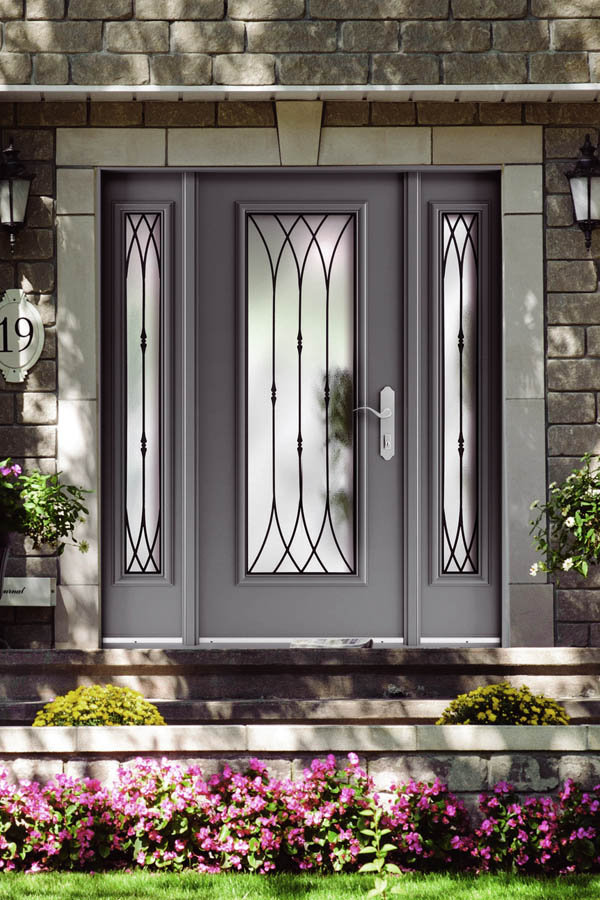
{"x":387,"y":421}
{"x":384,"y":414}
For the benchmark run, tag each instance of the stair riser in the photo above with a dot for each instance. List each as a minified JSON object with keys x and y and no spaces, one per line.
{"x":314,"y":685}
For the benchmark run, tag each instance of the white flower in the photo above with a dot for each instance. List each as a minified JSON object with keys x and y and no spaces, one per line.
{"x":572,"y":476}
{"x":568,"y":564}
{"x":535,"y":568}
{"x":570,"y":522}
{"x":534,"y":504}
{"x":552,"y":485}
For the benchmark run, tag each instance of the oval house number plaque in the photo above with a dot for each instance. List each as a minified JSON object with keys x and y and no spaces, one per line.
{"x":21,"y":335}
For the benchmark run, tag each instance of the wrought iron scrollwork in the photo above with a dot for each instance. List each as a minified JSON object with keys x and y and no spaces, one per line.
{"x":287,"y":535}
{"x":143,"y":456}
{"x":459,"y":376}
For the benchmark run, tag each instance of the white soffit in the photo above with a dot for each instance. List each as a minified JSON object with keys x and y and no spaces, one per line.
{"x":507,"y":93}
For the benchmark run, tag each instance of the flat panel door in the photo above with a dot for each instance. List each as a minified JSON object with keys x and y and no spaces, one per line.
{"x":299,"y":321}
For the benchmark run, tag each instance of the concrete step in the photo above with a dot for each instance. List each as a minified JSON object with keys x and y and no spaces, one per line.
{"x":299,"y":712}
{"x":210,"y":675}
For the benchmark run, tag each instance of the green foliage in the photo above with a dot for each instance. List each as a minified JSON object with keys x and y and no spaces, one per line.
{"x":502,"y":704}
{"x":144,"y":885}
{"x":567,"y":529}
{"x":40,"y":507}
{"x":107,"y":704}
{"x":379,"y":849}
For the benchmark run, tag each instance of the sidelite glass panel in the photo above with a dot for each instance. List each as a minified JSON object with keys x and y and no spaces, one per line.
{"x":459,"y":395}
{"x":300,"y":393}
{"x":143,"y":449}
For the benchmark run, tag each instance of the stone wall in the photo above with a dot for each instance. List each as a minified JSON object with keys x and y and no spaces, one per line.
{"x":28,"y":413}
{"x":470,"y":759}
{"x":194,"y":42}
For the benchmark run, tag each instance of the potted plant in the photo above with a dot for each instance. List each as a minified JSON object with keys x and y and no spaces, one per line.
{"x":567,"y":528}
{"x":38,"y":506}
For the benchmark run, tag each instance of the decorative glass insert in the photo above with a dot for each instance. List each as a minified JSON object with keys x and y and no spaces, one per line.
{"x":300,"y":386}
{"x":142,"y":404}
{"x":459,"y":393}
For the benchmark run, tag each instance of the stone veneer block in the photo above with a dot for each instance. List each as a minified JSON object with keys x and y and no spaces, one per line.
{"x":76,"y":313}
{"x":24,"y":739}
{"x":77,"y":617}
{"x":77,"y":458}
{"x":524,"y":425}
{"x":464,"y":145}
{"x":333,"y":738}
{"x":531,"y":614}
{"x":375,"y":146}
{"x":140,"y":738}
{"x":104,"y":147}
{"x":299,"y":130}
{"x":525,"y":773}
{"x":522,"y":189}
{"x":75,"y":191}
{"x":593,"y":737}
{"x":40,"y":770}
{"x":213,"y":147}
{"x":524,"y":306}
{"x":482,"y":738}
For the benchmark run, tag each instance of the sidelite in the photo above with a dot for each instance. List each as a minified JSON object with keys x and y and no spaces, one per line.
{"x":142,"y":384}
{"x":300,"y":387}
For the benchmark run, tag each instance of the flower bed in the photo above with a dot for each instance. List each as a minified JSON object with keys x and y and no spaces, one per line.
{"x":161,"y":816}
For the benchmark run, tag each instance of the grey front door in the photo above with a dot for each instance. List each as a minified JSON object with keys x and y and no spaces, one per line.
{"x":247,"y":317}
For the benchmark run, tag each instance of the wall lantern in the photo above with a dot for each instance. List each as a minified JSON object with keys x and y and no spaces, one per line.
{"x":15,"y":184}
{"x":584,"y":181}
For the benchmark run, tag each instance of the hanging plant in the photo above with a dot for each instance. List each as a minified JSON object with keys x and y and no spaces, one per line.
{"x":38,"y":506}
{"x":567,"y":529}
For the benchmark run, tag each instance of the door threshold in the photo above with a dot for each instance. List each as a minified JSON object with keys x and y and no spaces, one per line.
{"x":258,"y":643}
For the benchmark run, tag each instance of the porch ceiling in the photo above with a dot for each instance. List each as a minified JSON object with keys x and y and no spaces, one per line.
{"x":509,"y":93}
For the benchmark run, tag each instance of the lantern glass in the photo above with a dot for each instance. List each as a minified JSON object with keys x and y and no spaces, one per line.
{"x":20,"y":196}
{"x":579,"y":193}
{"x":14,"y":194}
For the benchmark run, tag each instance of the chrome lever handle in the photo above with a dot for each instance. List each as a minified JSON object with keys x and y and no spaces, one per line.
{"x":384,"y":414}
{"x":387,"y":428}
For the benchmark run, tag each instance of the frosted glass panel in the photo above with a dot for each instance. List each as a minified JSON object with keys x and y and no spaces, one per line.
{"x":300,"y":393}
{"x":143,"y":450}
{"x":459,"y":394}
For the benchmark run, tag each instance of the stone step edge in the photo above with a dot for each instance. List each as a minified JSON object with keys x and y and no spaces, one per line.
{"x":239,"y":711}
{"x":139,"y":740}
{"x":471,"y":659}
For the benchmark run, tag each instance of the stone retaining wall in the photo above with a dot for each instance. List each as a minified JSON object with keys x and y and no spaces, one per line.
{"x":470,"y":759}
{"x":191,"y":42}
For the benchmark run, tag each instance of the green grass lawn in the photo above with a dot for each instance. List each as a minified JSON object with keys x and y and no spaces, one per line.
{"x":142,"y":886}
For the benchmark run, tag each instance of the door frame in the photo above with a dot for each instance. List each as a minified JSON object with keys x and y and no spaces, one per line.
{"x":409,"y":444}
{"x":513,"y":255}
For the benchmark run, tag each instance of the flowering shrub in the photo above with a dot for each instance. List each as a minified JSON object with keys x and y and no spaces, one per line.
{"x":430,"y":827}
{"x":579,"y":828}
{"x":159,"y":815}
{"x":324,"y":807}
{"x":567,"y":528}
{"x":502,"y":704}
{"x":107,"y":704}
{"x":515,"y":835}
{"x":170,"y":818}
